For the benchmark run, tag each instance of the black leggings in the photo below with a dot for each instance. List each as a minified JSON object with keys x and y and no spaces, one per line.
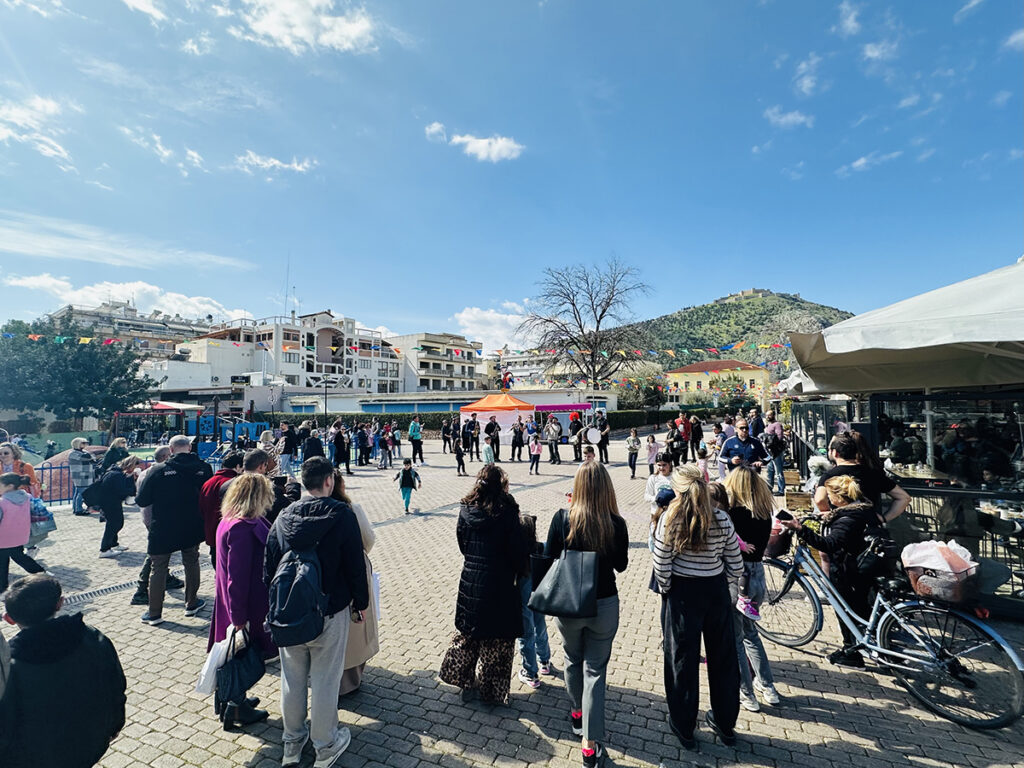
{"x":17,"y":554}
{"x":114,"y":515}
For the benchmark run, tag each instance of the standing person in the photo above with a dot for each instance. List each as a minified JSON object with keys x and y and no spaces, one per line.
{"x":267,"y":445}
{"x":533,"y":645}
{"x":518,"y":431}
{"x":553,"y":434}
{"x":493,"y":431}
{"x":853,"y":461}
{"x":10,"y":461}
{"x":172,"y":489}
{"x":385,"y":461}
{"x":287,"y":447}
{"x":774,"y":440}
{"x":632,"y":451}
{"x":460,"y":458}
{"x":488,"y":450}
{"x":602,"y":425}
{"x":575,"y":436}
{"x":342,"y":448}
{"x":396,"y":435}
{"x":756,"y":424}
{"x":15,"y":526}
{"x":683,"y":425}
{"x":474,"y":437}
{"x":535,"y":451}
{"x":211,"y":496}
{"x":117,"y":451}
{"x":728,"y":428}
{"x":653,"y":449}
{"x":467,"y":438}
{"x":64,"y":702}
{"x":592,"y":524}
{"x":416,"y":438}
{"x":662,"y":478}
{"x":362,"y":446}
{"x":842,"y":538}
{"x":696,"y":436}
{"x":321,"y":524}
{"x":83,"y":473}
{"x":141,"y":596}
{"x":748,"y":501}
{"x":410,"y":480}
{"x":743,"y":450}
{"x":446,"y":436}
{"x":718,"y":442}
{"x":362,"y":642}
{"x":117,"y":484}
{"x":488,"y":611}
{"x":695,"y":548}
{"x":312,"y":445}
{"x":673,"y":443}
{"x":241,"y":602}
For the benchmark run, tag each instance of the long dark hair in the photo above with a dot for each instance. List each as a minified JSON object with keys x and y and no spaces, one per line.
{"x":490,"y":492}
{"x":866,"y":455}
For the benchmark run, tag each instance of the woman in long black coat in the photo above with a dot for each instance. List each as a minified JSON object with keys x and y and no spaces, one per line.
{"x":488,"y":612}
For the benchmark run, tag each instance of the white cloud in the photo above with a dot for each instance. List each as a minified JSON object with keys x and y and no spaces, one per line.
{"x":194,"y":159}
{"x":780,"y":60}
{"x":493,"y":149}
{"x":966,"y":9}
{"x":200,"y":45}
{"x":301,"y":25}
{"x":1000,"y":99}
{"x":101,"y":185}
{"x":44,"y":8}
{"x":33,"y":122}
{"x":909,"y":101}
{"x":146,"y":297}
{"x":848,"y":24}
{"x":794,"y":172}
{"x":148,"y":7}
{"x":883,"y":50}
{"x":492,"y":327}
{"x":866,"y":163}
{"x":250,"y":162}
{"x":1016,"y":153}
{"x":31,"y":236}
{"x":148,"y":141}
{"x":435,"y":132}
{"x":781,"y":119}
{"x":757,"y":149}
{"x":1015,"y":41}
{"x":925,"y":154}
{"x":805,"y":80}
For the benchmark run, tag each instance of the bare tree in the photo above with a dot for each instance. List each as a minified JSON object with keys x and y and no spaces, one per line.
{"x":580,"y":319}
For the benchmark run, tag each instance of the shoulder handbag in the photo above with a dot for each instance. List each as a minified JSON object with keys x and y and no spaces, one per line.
{"x":569,"y":588}
{"x":241,"y":671}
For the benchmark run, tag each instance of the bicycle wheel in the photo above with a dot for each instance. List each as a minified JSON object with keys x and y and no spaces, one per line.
{"x":791,"y":611}
{"x":965,"y":672}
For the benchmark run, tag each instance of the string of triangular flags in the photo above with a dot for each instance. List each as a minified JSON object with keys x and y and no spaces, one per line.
{"x":653,"y":352}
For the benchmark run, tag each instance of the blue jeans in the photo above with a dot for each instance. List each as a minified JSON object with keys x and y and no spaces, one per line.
{"x":285,"y":463}
{"x":533,"y":644}
{"x":775,"y":472}
{"x":77,"y":504}
{"x":749,"y":648}
{"x":330,"y":452}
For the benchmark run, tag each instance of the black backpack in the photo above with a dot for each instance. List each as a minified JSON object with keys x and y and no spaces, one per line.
{"x":298,"y":604}
{"x":774,"y":444}
{"x":92,"y":495}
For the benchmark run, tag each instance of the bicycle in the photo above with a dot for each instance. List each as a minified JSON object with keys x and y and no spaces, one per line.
{"x":954,"y":664}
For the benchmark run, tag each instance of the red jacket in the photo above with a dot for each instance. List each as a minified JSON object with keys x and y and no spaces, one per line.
{"x":210,"y":498}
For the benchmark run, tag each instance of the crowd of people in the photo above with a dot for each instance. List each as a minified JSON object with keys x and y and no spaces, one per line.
{"x":292,"y":574}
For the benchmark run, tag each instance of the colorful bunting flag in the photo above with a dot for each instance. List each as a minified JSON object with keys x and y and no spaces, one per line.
{"x":35,"y":336}
{"x":85,"y":339}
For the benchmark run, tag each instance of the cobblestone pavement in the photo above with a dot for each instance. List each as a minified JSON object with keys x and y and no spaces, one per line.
{"x":404,"y":716}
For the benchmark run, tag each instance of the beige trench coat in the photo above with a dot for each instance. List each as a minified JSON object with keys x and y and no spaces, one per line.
{"x":363,"y":644}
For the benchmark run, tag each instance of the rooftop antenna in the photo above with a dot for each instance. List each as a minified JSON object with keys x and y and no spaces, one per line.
{"x":287,"y":274}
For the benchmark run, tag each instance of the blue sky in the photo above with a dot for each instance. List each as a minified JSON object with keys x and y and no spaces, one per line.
{"x":418,"y":164}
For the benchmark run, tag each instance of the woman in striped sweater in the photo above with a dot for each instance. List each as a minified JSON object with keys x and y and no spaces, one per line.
{"x":695,"y":555}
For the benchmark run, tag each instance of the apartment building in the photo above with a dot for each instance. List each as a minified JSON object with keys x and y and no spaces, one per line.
{"x":439,"y":361}
{"x":154,"y":335}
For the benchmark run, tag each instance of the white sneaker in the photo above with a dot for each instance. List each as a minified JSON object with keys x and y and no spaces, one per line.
{"x":768,"y":692}
{"x":749,"y":703}
{"x":110,"y":553}
{"x":293,"y":752}
{"x":325,"y":758}
{"x":120,"y":547}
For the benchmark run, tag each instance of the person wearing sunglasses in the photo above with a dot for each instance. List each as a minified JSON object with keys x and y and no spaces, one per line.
{"x":742,"y":450}
{"x":10,"y":461}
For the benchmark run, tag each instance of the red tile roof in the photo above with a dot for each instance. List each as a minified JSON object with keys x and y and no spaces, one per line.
{"x":716,"y":365}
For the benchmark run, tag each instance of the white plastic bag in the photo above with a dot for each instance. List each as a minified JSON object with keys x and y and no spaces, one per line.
{"x":930,"y":555}
{"x":214,"y":660}
{"x":376,"y":592}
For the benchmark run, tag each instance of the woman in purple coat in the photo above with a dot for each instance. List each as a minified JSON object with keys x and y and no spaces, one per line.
{"x":242,"y":600}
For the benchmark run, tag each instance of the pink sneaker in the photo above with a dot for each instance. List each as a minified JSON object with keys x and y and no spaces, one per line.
{"x":747,"y":608}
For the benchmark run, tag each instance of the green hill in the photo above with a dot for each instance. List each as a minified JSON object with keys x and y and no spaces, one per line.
{"x":763,"y":318}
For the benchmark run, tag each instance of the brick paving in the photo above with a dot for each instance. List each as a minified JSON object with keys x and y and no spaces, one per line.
{"x":404,"y":716}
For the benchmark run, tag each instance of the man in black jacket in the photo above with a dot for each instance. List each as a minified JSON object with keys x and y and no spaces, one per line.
{"x":173,"y":491}
{"x":65,"y":698}
{"x":329,"y":527}
{"x":493,"y":431}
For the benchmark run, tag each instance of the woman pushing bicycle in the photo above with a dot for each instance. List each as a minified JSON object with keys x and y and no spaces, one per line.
{"x":842,"y":538}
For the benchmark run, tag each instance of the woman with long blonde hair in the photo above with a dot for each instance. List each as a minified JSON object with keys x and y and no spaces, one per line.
{"x":751,"y":510}
{"x":592,"y":524}
{"x":695,"y":553}
{"x":242,"y":600}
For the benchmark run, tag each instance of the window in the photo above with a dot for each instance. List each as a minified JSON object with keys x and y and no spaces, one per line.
{"x":290,"y":335}
{"x":686,"y":386}
{"x":469,"y":371}
{"x":290,"y":357}
{"x":365,"y":364}
{"x":292,"y":379}
{"x":698,"y":385}
{"x":753,"y":383}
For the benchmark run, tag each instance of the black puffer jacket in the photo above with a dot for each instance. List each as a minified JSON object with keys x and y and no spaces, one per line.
{"x":65,"y":698}
{"x":494,"y":547}
{"x":842,"y":537}
{"x":172,"y":489}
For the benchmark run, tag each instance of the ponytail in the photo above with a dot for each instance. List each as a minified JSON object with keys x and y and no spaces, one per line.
{"x":13,"y":478}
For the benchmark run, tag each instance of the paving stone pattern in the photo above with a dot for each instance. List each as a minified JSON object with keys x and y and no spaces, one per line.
{"x":404,"y":716}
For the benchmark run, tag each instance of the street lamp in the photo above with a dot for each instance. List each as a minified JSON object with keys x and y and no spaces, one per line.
{"x":328,"y":381}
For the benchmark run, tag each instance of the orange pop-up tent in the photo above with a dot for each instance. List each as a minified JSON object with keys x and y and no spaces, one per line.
{"x":505,"y":408}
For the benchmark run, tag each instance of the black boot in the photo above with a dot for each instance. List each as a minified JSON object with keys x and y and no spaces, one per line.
{"x":173,"y":582}
{"x":141,"y":597}
{"x":242,"y":714}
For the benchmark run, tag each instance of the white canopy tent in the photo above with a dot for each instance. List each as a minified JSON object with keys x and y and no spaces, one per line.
{"x":968,"y":334}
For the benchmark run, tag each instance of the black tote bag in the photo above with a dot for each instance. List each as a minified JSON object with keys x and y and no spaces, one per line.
{"x":569,"y":588}
{"x":241,"y":671}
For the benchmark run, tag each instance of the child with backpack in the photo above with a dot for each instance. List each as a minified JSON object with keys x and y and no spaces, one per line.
{"x":533,"y":645}
{"x":15,"y":525}
{"x":410,"y":479}
{"x":460,"y":458}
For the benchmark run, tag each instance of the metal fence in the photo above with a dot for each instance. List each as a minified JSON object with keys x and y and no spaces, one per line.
{"x":57,"y":488}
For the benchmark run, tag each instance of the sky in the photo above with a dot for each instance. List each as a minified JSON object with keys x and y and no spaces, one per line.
{"x":417,"y":166}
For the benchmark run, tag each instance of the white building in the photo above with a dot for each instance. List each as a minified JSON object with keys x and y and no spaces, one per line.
{"x":439,"y":361}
